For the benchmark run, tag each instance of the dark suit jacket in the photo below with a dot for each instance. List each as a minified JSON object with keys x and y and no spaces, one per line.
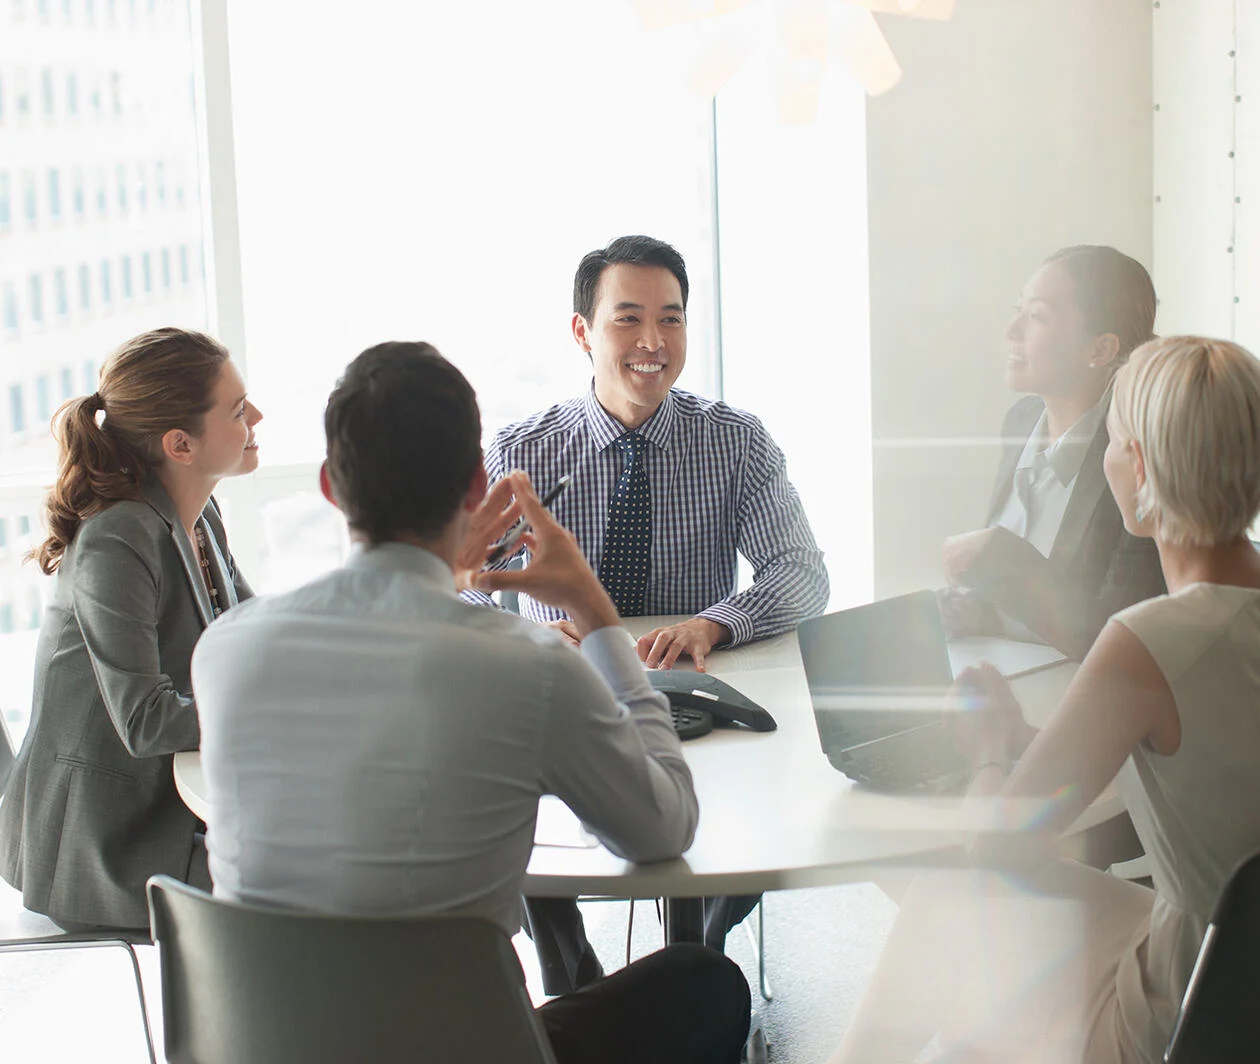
{"x":1095,"y":567}
{"x":91,"y":810}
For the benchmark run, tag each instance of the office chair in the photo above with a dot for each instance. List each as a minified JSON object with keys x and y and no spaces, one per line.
{"x":245,"y":983}
{"x":1218,"y":1022}
{"x":32,"y":933}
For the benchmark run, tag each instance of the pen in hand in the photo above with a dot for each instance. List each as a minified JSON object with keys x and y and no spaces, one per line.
{"x":507,"y":545}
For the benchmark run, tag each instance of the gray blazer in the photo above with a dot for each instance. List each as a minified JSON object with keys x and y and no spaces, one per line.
{"x":91,"y":810}
{"x":1095,"y":567}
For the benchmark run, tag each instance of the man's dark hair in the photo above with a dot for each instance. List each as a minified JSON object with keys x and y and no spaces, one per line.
{"x":404,"y":440}
{"x":632,"y":250}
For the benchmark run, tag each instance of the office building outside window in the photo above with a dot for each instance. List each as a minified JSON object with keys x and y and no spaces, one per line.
{"x":30,"y":207}
{"x":37,"y":299}
{"x":61,"y":294}
{"x":43,"y":399}
{"x":54,"y":195}
{"x":86,"y":98}
{"x":17,"y":409}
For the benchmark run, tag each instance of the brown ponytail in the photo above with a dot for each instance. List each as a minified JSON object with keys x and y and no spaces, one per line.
{"x":158,"y":381}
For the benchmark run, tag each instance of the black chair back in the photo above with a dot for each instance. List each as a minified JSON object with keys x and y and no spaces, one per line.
{"x":245,"y":983}
{"x":1219,"y":1019}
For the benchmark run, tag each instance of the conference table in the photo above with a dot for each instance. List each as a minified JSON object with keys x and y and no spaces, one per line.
{"x":774,"y":813}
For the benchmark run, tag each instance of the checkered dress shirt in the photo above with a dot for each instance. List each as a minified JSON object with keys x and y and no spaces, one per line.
{"x":718,"y":484}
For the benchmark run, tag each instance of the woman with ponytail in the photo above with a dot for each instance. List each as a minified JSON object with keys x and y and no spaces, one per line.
{"x":142,"y":567}
{"x":1055,"y":561}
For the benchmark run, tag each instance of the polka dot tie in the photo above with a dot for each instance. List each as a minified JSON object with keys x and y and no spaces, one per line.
{"x":623,"y":570}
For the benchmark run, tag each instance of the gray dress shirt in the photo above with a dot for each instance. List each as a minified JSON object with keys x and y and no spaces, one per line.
{"x":373,"y":744}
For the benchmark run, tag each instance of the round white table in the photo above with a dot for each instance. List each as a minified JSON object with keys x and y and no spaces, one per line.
{"x":774,"y":814}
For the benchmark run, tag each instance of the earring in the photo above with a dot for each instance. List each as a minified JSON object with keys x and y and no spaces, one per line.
{"x":1140,"y":513}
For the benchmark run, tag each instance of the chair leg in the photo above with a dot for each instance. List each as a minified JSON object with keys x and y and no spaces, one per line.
{"x":758,"y":942}
{"x":144,"y":1008}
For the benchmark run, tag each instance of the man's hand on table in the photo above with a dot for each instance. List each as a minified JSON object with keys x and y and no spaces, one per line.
{"x":661,"y":647}
{"x":960,"y":553}
{"x":568,"y":632}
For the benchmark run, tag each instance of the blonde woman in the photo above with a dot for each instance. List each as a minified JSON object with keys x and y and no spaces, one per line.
{"x":1049,"y":960}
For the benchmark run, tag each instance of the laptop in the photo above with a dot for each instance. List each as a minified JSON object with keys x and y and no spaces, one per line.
{"x":878,"y":679}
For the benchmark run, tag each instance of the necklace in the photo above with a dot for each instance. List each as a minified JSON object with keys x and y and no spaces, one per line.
{"x":205,"y":571}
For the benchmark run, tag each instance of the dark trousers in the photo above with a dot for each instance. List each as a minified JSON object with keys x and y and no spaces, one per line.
{"x":565,"y":955}
{"x":683,"y":1003}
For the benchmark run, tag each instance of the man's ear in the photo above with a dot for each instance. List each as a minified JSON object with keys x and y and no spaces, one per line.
{"x":581,"y":332}
{"x":177,"y":446}
{"x":477,"y":488}
{"x":325,"y":485}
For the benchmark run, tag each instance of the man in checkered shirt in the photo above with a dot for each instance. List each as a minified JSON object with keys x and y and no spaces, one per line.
{"x":717,"y":485}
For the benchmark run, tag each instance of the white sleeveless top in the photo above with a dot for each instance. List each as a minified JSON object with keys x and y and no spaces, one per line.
{"x":1198,"y":811}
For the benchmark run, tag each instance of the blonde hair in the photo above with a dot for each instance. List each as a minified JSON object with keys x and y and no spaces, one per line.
{"x":1193,"y":406}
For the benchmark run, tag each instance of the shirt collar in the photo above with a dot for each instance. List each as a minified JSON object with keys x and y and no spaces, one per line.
{"x":606,"y":429}
{"x":403,"y":558}
{"x":1067,"y":454}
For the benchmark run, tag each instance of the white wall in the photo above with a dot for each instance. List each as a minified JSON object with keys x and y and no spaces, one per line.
{"x":1021,"y":126}
{"x":1207,"y":167}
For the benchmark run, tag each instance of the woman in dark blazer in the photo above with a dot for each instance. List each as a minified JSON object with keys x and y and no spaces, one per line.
{"x":142,"y":568}
{"x":1054,"y":562}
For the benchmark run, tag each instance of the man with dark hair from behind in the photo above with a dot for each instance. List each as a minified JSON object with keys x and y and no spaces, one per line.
{"x":372,"y":745}
{"x":667,"y":489}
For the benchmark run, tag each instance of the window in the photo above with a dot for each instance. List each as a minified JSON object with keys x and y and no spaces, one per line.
{"x":89,"y":9}
{"x":6,"y":210}
{"x":107,"y":286}
{"x":115,"y":92}
{"x":37,"y":299}
{"x":54,"y":195}
{"x":67,"y":384}
{"x":102,"y":193}
{"x":126,"y":277}
{"x":91,"y":378}
{"x":183,"y":264}
{"x":166,"y":269}
{"x":85,"y":287}
{"x":142,"y":188}
{"x":61,"y":294}
{"x":72,"y":94}
{"x":41,"y":9}
{"x":17,"y":409}
{"x":24,"y":526}
{"x":6,"y":618}
{"x":159,"y":182}
{"x":29,"y":208}
{"x":146,"y":273}
{"x":10,"y":307}
{"x":22,"y":95}
{"x":46,"y":81}
{"x":95,"y":96}
{"x":43,"y":398}
{"x":80,"y":205}
{"x":122,"y":187}
{"x":1,"y":99}
{"x":4,"y":533}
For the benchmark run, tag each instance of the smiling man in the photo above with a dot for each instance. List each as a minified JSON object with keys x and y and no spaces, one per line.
{"x":667,"y":489}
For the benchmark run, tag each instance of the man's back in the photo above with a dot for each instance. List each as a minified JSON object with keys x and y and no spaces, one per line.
{"x":374,"y":745}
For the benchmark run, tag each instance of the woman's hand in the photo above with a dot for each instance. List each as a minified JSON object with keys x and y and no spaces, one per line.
{"x":965,"y":613}
{"x":991,"y":728}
